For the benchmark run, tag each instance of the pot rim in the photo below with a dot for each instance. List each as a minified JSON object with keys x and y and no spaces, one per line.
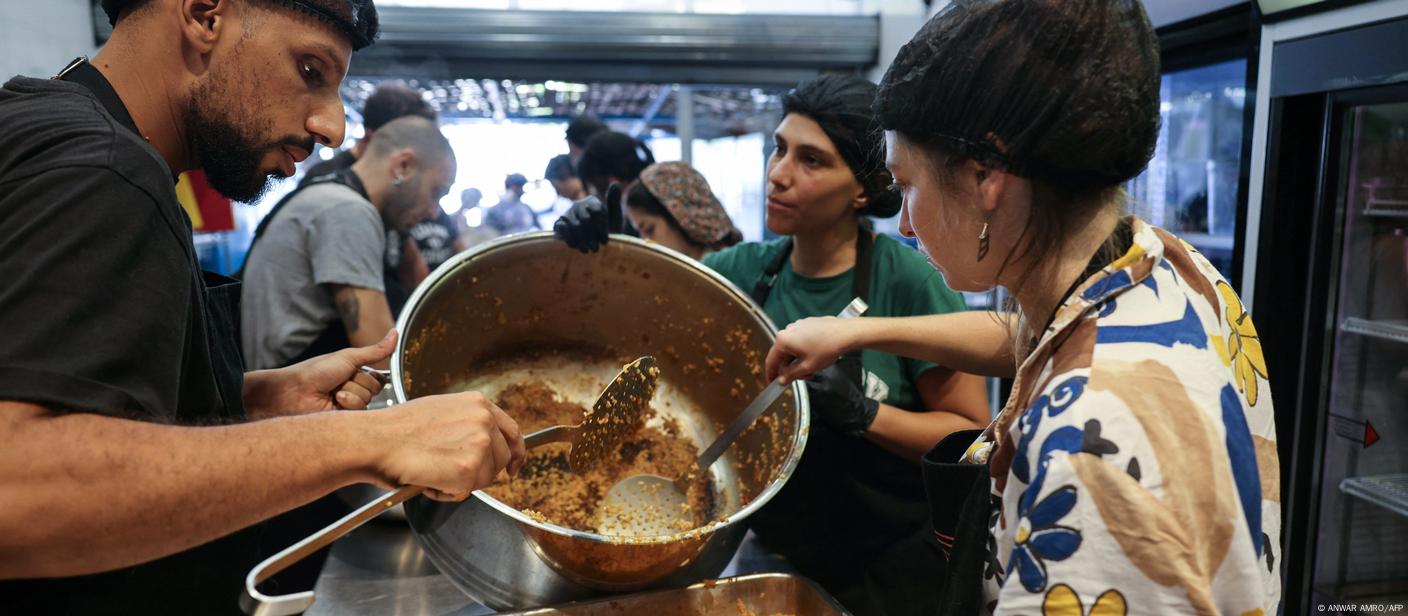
{"x":799,"y":392}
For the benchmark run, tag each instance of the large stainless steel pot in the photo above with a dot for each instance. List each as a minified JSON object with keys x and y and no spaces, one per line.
{"x":478,"y":322}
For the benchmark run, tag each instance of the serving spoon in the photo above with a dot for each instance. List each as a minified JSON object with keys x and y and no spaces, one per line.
{"x":649,"y":505}
{"x":613,"y":418}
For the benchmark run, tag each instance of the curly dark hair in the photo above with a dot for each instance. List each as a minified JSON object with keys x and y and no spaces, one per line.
{"x":1061,"y":91}
{"x":394,"y":100}
{"x":612,"y":154}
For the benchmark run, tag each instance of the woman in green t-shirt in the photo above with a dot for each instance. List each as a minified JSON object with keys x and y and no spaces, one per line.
{"x":853,"y":516}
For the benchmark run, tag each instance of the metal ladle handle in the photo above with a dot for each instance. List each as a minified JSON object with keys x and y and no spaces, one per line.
{"x":761,"y":403}
{"x":256,"y":603}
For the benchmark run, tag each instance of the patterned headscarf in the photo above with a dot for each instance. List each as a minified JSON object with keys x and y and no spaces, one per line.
{"x":686,"y":194}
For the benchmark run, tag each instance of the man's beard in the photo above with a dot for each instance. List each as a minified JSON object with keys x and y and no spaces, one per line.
{"x":229,"y":149}
{"x":400,"y":201}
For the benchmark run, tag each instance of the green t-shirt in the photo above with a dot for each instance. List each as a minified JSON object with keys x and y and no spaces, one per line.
{"x":902,"y":283}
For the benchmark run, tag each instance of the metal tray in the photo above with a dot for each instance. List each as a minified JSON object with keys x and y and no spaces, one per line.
{"x":767,"y":594}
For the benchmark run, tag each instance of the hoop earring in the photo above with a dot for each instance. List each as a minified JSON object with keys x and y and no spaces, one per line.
{"x":983,"y":242}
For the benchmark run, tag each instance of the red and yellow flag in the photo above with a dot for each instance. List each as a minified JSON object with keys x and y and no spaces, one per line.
{"x":208,"y":209}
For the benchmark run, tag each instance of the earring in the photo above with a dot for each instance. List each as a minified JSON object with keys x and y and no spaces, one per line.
{"x":983,"y":242}
{"x":397,"y":181}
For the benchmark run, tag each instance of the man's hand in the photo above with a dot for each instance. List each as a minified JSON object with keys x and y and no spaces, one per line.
{"x":323,"y":383}
{"x":450,"y":444}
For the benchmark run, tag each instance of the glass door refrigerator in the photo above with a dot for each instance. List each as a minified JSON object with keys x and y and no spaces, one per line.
{"x":1331,"y":300}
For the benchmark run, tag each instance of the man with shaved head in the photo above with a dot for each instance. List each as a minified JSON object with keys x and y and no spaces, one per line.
{"x":313,"y":279}
{"x":137,"y":456}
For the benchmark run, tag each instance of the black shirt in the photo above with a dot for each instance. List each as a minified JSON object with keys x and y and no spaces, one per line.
{"x":436,"y":239}
{"x":105,"y":310}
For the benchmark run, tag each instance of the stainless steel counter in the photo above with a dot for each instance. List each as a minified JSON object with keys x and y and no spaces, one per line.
{"x":378,"y":569}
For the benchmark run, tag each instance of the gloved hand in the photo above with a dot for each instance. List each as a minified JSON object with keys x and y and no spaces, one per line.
{"x":587,"y":225}
{"x":838,"y":402}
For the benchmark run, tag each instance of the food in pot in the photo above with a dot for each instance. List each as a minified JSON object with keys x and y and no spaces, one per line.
{"x":549,"y":491}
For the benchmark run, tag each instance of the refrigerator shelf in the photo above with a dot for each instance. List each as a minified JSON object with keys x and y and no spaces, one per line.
{"x":1396,"y":331}
{"x":1394,"y":208}
{"x":1387,"y":491}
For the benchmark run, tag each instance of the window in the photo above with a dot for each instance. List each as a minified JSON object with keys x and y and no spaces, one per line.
{"x":1191,"y":185}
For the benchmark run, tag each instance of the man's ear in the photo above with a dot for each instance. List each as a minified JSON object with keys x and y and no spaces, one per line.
{"x":403,"y":163}
{"x":204,"y":22}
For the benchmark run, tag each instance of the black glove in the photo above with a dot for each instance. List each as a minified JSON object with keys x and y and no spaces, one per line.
{"x":838,"y":402}
{"x":588,"y":224}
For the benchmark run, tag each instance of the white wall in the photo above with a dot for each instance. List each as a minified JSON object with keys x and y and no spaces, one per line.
{"x":39,"y":37}
{"x":1165,"y":12}
{"x":899,"y":20}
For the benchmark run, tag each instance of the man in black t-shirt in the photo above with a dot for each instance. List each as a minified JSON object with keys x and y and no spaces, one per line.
{"x":134,"y":450}
{"x":438,"y":239}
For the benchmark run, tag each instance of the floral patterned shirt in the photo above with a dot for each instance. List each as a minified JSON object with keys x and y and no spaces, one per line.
{"x":1134,"y":469}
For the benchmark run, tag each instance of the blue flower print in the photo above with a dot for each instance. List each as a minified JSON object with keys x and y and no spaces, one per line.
{"x":1061,"y":398}
{"x":1040,"y":539}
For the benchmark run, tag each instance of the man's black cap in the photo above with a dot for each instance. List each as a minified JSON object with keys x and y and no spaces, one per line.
{"x":356,"y":19}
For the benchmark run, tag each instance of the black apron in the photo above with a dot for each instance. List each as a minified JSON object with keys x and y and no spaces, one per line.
{"x":871,"y":548}
{"x":205,"y":579}
{"x":961,"y":509}
{"x":334,"y":336}
{"x":220,"y":296}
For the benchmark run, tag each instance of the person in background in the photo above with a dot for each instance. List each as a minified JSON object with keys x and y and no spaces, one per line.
{"x":470,"y":219}
{"x":404,"y":266}
{"x":612,"y":158}
{"x":511,"y":214}
{"x":671,"y":204}
{"x":311,"y":283}
{"x":853,"y":515}
{"x":313,"y":279}
{"x":138,"y":457}
{"x":1134,"y":469}
{"x":579,"y":131}
{"x":387,"y":102}
{"x":562,"y":174}
{"x":438,"y":239}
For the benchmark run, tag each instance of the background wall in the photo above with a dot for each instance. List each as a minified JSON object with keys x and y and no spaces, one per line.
{"x":39,"y":37}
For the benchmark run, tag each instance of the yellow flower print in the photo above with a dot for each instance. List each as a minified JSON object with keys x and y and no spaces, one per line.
{"x":1243,"y":345}
{"x":1062,"y":601}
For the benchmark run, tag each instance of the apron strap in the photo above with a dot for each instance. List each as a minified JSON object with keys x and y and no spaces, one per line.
{"x":763,"y":288}
{"x":345,"y":177}
{"x":860,"y":282}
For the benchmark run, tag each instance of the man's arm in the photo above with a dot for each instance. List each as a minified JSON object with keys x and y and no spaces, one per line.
{"x":88,"y":493}
{"x":365,"y":314}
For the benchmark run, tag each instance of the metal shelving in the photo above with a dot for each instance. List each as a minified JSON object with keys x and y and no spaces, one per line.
{"x":1396,"y":331}
{"x":1387,"y":491}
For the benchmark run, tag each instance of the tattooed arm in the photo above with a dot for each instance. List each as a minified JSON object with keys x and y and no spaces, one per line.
{"x":365,"y":314}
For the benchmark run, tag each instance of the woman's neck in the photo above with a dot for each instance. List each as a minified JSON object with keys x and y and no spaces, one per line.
{"x":1040,"y":287}
{"x":827,"y":252}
